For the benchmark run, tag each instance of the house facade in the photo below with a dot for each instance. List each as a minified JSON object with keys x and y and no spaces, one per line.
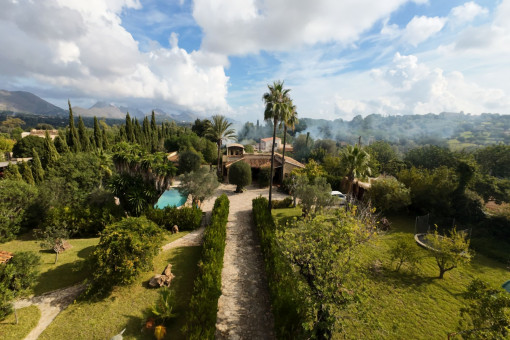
{"x":266,"y":143}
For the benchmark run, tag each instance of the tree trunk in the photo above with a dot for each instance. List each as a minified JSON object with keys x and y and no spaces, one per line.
{"x":16,"y":315}
{"x":218,"y":169}
{"x":56,"y":257}
{"x":272,"y":165}
{"x":283,"y":152}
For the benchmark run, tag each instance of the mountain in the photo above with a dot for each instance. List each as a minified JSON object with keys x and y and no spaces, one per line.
{"x":100,"y":110}
{"x":21,"y":101}
{"x":178,"y":117}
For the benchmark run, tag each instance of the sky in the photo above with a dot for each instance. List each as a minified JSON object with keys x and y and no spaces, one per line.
{"x":339,"y":58}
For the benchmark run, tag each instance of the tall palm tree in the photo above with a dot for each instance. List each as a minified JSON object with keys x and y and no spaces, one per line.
{"x":289,"y":121}
{"x":356,"y":160}
{"x":277,"y":106}
{"x":219,"y":130}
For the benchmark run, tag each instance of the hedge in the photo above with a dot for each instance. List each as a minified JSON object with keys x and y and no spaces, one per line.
{"x":201,"y":314}
{"x":290,"y":295}
{"x":185,"y":218}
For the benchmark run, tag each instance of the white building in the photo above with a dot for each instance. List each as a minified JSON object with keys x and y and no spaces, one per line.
{"x":265,"y":144}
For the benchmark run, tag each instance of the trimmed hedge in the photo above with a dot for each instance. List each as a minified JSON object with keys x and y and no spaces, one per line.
{"x":290,"y":295}
{"x":185,"y":218}
{"x":201,"y":315}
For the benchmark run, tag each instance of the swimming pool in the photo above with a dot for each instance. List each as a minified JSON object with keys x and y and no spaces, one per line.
{"x":169,"y":198}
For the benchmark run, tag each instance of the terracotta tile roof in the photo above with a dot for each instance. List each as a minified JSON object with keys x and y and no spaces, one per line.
{"x":268,"y":139}
{"x":264,"y":159}
{"x":5,"y":256}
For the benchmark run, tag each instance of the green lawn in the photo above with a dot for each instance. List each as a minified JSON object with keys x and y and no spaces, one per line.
{"x":282,"y":216}
{"x":70,"y":268}
{"x":27,"y":319}
{"x":411,"y":304}
{"x":124,"y":307}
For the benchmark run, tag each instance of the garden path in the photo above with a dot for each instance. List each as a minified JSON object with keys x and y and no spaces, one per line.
{"x":244,"y":310}
{"x":52,"y":303}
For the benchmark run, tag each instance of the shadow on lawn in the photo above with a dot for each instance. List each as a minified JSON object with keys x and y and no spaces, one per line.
{"x":402,"y":278}
{"x":61,"y":276}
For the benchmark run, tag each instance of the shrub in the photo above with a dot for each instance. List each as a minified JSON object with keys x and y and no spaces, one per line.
{"x":126,"y":249}
{"x":240,"y":175}
{"x":189,"y":161}
{"x":264,"y":177}
{"x":201,"y":315}
{"x":404,"y":251}
{"x":287,"y":202}
{"x":389,"y":195}
{"x":16,"y":279}
{"x":185,"y":218}
{"x":16,"y":198}
{"x":290,"y":296}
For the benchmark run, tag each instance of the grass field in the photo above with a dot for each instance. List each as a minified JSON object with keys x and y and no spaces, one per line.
{"x":27,"y":319}
{"x":124,"y":307}
{"x":411,"y":304}
{"x":70,"y":268}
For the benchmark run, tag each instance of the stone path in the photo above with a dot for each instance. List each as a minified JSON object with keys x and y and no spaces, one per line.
{"x":244,"y":310}
{"x":50,"y":304}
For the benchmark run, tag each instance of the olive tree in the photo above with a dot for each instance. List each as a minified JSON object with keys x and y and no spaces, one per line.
{"x":449,"y":251}
{"x":200,"y":184}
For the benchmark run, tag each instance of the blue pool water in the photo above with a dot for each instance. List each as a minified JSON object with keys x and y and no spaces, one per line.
{"x":170,"y":197}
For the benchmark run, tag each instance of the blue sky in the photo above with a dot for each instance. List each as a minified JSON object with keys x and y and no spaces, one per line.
{"x":339,"y":58}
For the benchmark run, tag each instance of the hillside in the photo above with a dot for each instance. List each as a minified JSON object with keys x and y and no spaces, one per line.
{"x":21,"y":101}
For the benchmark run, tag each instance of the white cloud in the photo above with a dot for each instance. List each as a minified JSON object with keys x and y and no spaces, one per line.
{"x":421,"y":28}
{"x":82,"y":47}
{"x":467,"y":12}
{"x":248,"y":26}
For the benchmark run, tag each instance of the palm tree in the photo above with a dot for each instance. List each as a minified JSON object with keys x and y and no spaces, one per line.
{"x":356,"y":160}
{"x":277,"y":107}
{"x":219,"y":130}
{"x":289,"y":121}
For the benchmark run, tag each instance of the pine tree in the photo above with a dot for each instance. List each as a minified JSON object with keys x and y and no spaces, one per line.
{"x":12,"y":172}
{"x":37,"y":168}
{"x":50,"y":151}
{"x":72,"y":135}
{"x":26,"y":173}
{"x":105,"y":140}
{"x":82,"y":132}
{"x":98,"y":137}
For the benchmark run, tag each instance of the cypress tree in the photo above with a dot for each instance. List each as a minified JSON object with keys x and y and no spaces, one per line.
{"x":60,"y":144}
{"x":72,"y":135}
{"x":12,"y":172}
{"x":50,"y":151}
{"x":105,"y":140}
{"x":138,"y":133}
{"x":147,"y":132}
{"x":153,"y":123}
{"x":37,"y":168}
{"x":98,"y":137}
{"x":130,"y":133}
{"x":26,"y":173}
{"x":82,"y":132}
